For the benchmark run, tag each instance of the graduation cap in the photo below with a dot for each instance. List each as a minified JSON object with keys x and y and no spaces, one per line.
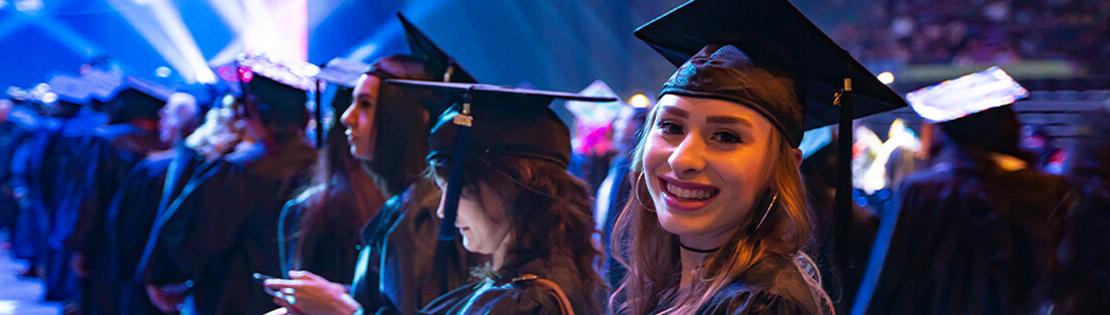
{"x":276,"y":89}
{"x":966,"y":95}
{"x":137,"y":98}
{"x":494,"y":120}
{"x":438,"y":62}
{"x":767,"y":55}
{"x":64,"y":89}
{"x":342,"y":72}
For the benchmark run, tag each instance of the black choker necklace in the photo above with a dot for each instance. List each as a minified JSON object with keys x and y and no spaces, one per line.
{"x":700,"y":251}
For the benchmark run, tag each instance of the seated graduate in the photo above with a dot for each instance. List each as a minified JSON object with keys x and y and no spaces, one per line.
{"x":501,"y":156}
{"x":717,"y":221}
{"x":401,"y":265}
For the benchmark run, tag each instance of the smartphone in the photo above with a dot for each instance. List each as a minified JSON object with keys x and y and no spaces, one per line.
{"x":261,"y":279}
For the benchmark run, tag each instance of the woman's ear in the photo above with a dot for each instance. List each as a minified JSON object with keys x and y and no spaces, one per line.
{"x":796,"y":156}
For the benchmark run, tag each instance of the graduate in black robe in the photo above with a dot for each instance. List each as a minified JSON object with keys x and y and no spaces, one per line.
{"x":699,"y":238}
{"x":320,"y":229}
{"x":1083,"y":281}
{"x":110,"y":154}
{"x":233,"y":232}
{"x":505,"y":147}
{"x":978,"y":232}
{"x":401,"y":264}
{"x":131,"y":214}
{"x":62,"y":184}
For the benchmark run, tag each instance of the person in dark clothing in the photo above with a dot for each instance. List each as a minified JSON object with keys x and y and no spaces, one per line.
{"x":224,"y":229}
{"x":500,"y":156}
{"x":28,"y":236}
{"x":718,"y":222}
{"x":1083,"y":281}
{"x":978,"y":232}
{"x":320,"y":229}
{"x":62,"y":184}
{"x":401,"y":264}
{"x":395,"y":272}
{"x":110,"y":154}
{"x":133,"y":208}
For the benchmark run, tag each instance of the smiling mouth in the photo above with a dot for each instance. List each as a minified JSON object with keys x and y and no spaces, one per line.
{"x":688,"y":191}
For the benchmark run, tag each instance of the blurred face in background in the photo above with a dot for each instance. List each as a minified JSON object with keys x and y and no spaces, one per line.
{"x":180,"y":112}
{"x":360,"y":117}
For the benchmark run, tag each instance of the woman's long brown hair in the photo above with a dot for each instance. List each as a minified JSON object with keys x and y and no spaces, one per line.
{"x":551,"y":214}
{"x":651,"y":254}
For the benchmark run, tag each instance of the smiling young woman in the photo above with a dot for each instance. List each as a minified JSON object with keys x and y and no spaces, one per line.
{"x":718,"y":186}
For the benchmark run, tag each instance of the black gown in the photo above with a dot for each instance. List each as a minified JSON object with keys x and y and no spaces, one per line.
{"x":969,"y":241}
{"x":235,"y":231}
{"x":773,"y":286}
{"x":111,"y":153}
{"x":513,"y":293}
{"x":397,"y":270}
{"x":65,"y":176}
{"x":128,"y":223}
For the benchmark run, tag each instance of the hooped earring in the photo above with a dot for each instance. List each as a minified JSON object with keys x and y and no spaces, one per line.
{"x":636,"y":194}
{"x":770,"y":206}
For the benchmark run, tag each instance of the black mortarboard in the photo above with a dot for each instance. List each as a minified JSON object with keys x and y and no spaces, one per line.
{"x":773,"y":35}
{"x":438,"y":62}
{"x":137,"y":98}
{"x":495,"y":120}
{"x":277,"y":89}
{"x":341,"y":71}
{"x":767,"y":55}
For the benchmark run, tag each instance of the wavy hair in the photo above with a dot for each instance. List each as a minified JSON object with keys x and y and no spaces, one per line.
{"x":651,"y":254}
{"x":550,"y":213}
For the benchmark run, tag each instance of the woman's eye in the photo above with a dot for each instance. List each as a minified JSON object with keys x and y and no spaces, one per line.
{"x":726,"y":137}
{"x":365,"y":104}
{"x":668,"y":127}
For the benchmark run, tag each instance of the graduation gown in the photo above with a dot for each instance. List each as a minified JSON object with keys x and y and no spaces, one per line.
{"x":181,"y":196}
{"x":128,"y":223}
{"x":513,"y":293}
{"x":971,"y":241}
{"x":773,"y":286}
{"x":66,"y":180}
{"x":233,"y":232}
{"x":112,"y":151}
{"x":401,"y":265}
{"x":29,"y":235}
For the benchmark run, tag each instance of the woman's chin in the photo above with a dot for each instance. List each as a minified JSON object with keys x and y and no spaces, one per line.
{"x":685,"y":226}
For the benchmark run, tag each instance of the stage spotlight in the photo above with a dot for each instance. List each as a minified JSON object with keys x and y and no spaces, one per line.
{"x":163,"y":72}
{"x":639,"y":100}
{"x":159,"y":22}
{"x":28,"y":6}
{"x":886,"y":77}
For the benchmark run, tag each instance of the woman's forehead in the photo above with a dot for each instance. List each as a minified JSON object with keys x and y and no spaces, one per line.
{"x":704,"y":108}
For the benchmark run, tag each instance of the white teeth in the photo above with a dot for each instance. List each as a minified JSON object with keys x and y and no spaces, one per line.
{"x":696,"y":194}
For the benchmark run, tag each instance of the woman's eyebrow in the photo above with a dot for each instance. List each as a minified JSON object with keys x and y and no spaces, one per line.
{"x":728,"y":120}
{"x":676,"y":111}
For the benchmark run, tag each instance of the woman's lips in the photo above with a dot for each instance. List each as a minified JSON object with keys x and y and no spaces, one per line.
{"x":686,"y":197}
